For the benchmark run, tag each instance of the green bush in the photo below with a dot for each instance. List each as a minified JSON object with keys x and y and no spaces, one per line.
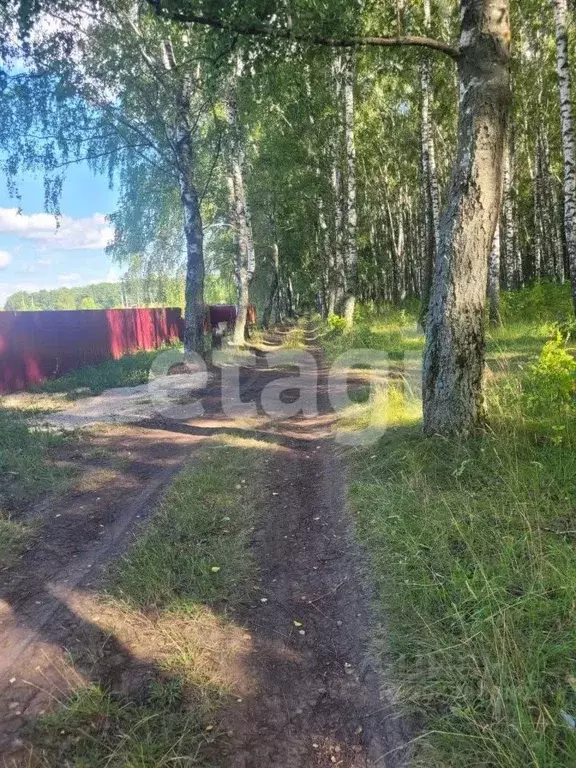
{"x":540,"y":302}
{"x":552,"y":380}
{"x":336,"y":323}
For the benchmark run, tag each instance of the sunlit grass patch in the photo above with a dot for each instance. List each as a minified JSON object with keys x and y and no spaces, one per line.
{"x":13,"y":538}
{"x":169,"y":602}
{"x":382,"y":407}
{"x":196,"y":547}
{"x":472,"y":547}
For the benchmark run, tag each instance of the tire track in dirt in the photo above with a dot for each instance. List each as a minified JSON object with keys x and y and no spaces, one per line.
{"x":317,"y":698}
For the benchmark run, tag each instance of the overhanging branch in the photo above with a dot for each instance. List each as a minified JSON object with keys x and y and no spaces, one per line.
{"x":253,"y":30}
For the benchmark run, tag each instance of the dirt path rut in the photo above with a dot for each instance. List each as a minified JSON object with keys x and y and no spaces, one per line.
{"x":317,"y":698}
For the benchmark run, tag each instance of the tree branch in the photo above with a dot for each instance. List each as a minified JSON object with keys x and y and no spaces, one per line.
{"x":253,"y":30}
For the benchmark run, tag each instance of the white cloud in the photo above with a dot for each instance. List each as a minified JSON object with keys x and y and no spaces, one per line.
{"x":93,"y":233}
{"x":70,"y":278}
{"x":44,"y":262}
{"x":5,"y":259}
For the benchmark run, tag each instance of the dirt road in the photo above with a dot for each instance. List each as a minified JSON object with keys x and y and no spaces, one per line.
{"x":317,"y":698}
{"x":311,"y":695}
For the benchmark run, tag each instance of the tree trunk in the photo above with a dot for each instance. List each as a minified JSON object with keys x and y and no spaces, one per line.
{"x":350,"y":224}
{"x":508,"y":219}
{"x":494,"y":279}
{"x":568,"y":139}
{"x":240,"y":212}
{"x":335,"y":142}
{"x":273,"y":287}
{"x":183,"y":145}
{"x":430,"y":176}
{"x":454,"y":354}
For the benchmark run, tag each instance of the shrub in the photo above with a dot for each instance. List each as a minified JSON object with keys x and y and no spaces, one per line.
{"x":552,"y":380}
{"x":336,"y":323}
{"x":540,"y":302}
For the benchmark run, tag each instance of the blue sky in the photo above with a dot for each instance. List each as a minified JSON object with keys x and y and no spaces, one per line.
{"x":33,"y":255}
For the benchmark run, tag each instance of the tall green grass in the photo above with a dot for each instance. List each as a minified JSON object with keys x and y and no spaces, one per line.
{"x":473,"y":555}
{"x":127,"y":371}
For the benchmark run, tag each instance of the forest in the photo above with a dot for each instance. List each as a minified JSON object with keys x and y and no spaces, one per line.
{"x":314,"y":166}
{"x":391,"y":176}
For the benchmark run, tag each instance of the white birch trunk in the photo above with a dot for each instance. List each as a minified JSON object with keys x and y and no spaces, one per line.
{"x":494,"y":279}
{"x":454,"y":354}
{"x":350,"y":225}
{"x":568,"y":138}
{"x":240,"y":213}
{"x":182,"y":136}
{"x":429,"y":173}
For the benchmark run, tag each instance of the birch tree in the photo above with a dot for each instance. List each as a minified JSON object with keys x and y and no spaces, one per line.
{"x":430,"y":191}
{"x":109,"y":88}
{"x":244,"y":242}
{"x":454,"y":355}
{"x":568,"y":137}
{"x":350,"y":223}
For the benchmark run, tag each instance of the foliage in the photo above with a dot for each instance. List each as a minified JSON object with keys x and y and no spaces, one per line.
{"x":540,"y":302}
{"x":551,"y":382}
{"x":471,"y":545}
{"x":95,"y":296}
{"x":336,"y":323}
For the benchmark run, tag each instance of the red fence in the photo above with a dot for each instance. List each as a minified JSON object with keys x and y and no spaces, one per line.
{"x":35,"y":346}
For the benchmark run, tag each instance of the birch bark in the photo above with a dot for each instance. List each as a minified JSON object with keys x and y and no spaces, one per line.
{"x":454,"y":354}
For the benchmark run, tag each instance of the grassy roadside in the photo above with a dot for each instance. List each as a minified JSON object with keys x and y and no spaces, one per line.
{"x":172,"y":594}
{"x":127,"y":371}
{"x":29,"y":468}
{"x":472,"y":546}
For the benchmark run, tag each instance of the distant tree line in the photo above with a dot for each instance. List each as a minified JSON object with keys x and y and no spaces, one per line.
{"x":134,"y":290}
{"x":96,"y":296}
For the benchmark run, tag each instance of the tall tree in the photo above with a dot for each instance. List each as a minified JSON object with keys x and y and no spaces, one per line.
{"x":568,"y":136}
{"x":107,"y":85}
{"x":430,"y":191}
{"x":351,"y":218}
{"x":241,"y":224}
{"x":454,"y":354}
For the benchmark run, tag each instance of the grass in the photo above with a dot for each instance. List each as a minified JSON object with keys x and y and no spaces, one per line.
{"x":14,"y":537}
{"x":97,"y":729}
{"x":29,"y":469}
{"x":187,"y":570}
{"x":28,"y":461}
{"x":127,"y":371}
{"x":472,"y":548}
{"x":196,"y":550}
